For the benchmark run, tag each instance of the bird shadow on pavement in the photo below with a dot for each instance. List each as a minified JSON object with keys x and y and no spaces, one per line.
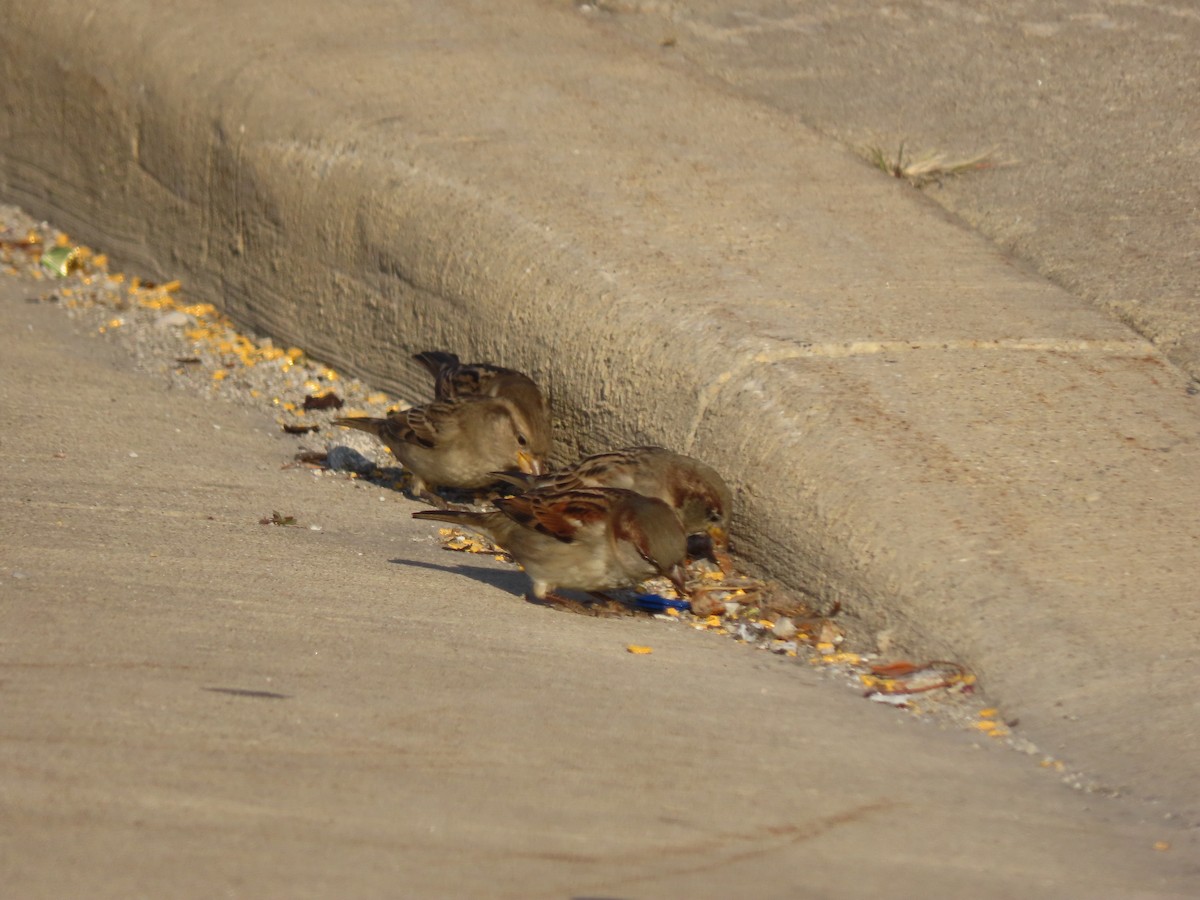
{"x":513,"y":582}
{"x":507,"y":580}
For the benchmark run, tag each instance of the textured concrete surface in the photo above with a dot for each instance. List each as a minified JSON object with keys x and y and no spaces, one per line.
{"x":197,"y":705}
{"x":975,"y":462}
{"x":1094,"y":101}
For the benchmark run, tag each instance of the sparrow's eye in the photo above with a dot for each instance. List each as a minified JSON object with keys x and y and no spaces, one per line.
{"x":522,"y":440}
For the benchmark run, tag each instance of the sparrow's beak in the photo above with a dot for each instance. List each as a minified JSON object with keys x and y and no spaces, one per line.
{"x":720,"y":537}
{"x":720,"y":548}
{"x":528,"y":463}
{"x":675,"y":574}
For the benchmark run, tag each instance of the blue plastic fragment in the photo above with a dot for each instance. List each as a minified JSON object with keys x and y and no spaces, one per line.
{"x":655,"y":603}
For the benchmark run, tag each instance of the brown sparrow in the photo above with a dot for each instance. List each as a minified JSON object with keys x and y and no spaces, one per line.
{"x":457,"y":443}
{"x":693,"y":489}
{"x":591,"y":539}
{"x":454,"y":380}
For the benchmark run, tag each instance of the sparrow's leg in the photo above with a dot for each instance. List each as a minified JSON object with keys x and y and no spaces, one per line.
{"x":421,"y":491}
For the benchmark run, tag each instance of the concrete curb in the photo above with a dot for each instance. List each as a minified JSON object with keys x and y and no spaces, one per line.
{"x":196,"y":704}
{"x":976,"y":463}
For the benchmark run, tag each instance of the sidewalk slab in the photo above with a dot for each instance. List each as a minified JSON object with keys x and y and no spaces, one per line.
{"x":914,"y":424}
{"x":196,"y":704}
{"x":1094,"y":108}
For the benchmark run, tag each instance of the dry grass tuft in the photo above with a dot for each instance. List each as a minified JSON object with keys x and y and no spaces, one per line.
{"x":930,"y":167}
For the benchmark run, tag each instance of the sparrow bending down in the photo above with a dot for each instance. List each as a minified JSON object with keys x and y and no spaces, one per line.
{"x":700,"y":497}
{"x":457,"y":443}
{"x":453,"y":380}
{"x":591,"y":539}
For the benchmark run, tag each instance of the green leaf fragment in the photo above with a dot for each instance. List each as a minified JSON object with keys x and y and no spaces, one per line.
{"x":57,"y":260}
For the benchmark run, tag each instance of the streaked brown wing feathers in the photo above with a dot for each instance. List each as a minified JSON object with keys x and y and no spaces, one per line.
{"x":559,"y":514}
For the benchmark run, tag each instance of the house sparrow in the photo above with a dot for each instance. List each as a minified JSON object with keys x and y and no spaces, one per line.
{"x":454,"y":380}
{"x":591,"y":539}
{"x":457,"y":443}
{"x":693,"y":489}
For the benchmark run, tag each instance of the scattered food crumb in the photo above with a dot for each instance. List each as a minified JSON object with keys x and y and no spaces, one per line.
{"x":277,"y":518}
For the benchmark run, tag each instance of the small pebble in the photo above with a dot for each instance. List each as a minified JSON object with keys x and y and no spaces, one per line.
{"x":706,"y":605}
{"x":132,"y":455}
{"x":891,"y":699}
{"x":174,"y":319}
{"x":785,"y":629}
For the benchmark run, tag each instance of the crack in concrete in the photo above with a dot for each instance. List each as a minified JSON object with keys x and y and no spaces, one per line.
{"x":840,"y":349}
{"x":1130,"y":347}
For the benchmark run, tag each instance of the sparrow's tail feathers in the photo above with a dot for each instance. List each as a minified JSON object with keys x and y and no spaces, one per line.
{"x":362,"y":423}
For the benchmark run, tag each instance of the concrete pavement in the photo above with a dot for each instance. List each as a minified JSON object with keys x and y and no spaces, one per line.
{"x":1094,"y":103}
{"x":197,"y":705}
{"x":974,"y":462}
